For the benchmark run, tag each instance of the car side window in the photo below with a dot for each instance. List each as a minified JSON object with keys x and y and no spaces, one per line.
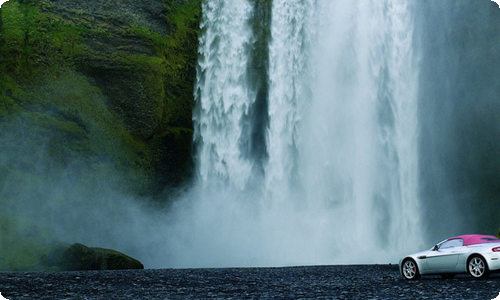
{"x":452,"y":243}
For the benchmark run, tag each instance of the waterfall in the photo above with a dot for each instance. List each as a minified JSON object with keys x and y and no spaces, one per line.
{"x":402,"y":141}
{"x":223,"y":94}
{"x":339,"y":184}
{"x":287,"y":91}
{"x":343,"y":119}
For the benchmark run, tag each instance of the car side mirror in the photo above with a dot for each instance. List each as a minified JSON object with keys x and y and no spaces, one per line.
{"x":435,"y":248}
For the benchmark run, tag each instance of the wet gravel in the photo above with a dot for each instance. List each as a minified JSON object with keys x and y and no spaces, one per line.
{"x":319,"y":282}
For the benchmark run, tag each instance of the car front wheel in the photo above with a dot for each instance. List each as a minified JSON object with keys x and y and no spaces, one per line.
{"x":410,"y":269}
{"x":477,"y":267}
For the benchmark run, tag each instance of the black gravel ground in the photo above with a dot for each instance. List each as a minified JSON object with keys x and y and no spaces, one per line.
{"x":321,"y":282}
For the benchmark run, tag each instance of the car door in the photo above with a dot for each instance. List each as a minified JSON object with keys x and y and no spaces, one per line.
{"x":445,"y":255}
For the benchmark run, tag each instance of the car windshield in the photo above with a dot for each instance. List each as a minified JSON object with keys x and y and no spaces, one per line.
{"x":451,"y":243}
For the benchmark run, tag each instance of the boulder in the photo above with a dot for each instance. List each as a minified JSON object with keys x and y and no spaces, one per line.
{"x":78,"y":257}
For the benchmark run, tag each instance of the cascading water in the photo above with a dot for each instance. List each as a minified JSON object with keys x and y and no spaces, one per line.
{"x":340,"y":179}
{"x":356,"y":144}
{"x":287,"y":91}
{"x":224,"y":97}
{"x":402,"y":143}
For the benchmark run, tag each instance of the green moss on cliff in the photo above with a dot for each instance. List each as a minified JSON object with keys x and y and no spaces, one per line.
{"x":97,"y":96}
{"x":23,"y":250}
{"x":152,"y":72}
{"x":9,"y":92}
{"x":101,"y":81}
{"x":36,"y":41}
{"x":181,"y":54}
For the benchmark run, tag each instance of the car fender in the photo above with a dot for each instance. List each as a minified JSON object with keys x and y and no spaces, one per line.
{"x":419,"y":259}
{"x":491,"y":259}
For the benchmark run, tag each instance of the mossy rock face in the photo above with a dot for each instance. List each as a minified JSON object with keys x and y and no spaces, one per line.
{"x":95,"y":99}
{"x":174,"y":153}
{"x":135,"y":90}
{"x":78,"y":257}
{"x":113,"y":77}
{"x":121,"y":42}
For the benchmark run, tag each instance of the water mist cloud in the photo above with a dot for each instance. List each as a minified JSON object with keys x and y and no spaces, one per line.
{"x":366,"y":148}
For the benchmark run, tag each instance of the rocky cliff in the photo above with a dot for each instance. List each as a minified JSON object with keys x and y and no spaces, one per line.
{"x":95,"y":104}
{"x":102,"y":82}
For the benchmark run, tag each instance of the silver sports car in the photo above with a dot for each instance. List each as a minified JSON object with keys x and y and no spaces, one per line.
{"x":475,"y":254}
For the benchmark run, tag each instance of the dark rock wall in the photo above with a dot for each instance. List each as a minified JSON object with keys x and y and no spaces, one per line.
{"x":119,"y":73}
{"x":95,"y":113}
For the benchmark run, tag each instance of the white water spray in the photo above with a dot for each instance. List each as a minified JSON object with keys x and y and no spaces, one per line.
{"x":358,"y":159}
{"x":341,"y":180}
{"x":222,"y":93}
{"x":287,"y":92}
{"x":402,"y":143}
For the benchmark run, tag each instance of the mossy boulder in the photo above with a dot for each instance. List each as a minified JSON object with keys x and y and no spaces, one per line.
{"x":78,"y":257}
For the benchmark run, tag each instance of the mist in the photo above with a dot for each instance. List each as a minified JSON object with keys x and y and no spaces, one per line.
{"x":459,"y":135}
{"x":44,"y":203}
{"x":372,"y":132}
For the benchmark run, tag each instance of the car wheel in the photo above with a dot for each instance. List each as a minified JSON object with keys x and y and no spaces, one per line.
{"x":410,"y":269}
{"x":477,"y":267}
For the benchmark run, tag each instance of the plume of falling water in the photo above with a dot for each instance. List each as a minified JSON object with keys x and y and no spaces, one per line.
{"x":287,"y":91}
{"x":358,"y":157}
{"x":402,"y":83}
{"x":223,"y":94}
{"x":340,"y":181}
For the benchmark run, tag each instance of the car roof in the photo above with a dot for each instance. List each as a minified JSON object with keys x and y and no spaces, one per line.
{"x":474,"y":239}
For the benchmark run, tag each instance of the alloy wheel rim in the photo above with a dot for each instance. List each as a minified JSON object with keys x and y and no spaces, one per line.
{"x":476,"y":267}
{"x":409,"y":269}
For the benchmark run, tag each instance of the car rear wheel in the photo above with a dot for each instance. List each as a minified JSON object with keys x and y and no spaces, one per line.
{"x":410,"y":269}
{"x":477,"y":267}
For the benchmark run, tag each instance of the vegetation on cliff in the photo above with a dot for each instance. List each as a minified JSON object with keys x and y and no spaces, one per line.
{"x":94,"y":96}
{"x":109,"y":82}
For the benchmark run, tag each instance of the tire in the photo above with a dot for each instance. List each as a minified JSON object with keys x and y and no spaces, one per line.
{"x":477,"y":267}
{"x":409,"y":269}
